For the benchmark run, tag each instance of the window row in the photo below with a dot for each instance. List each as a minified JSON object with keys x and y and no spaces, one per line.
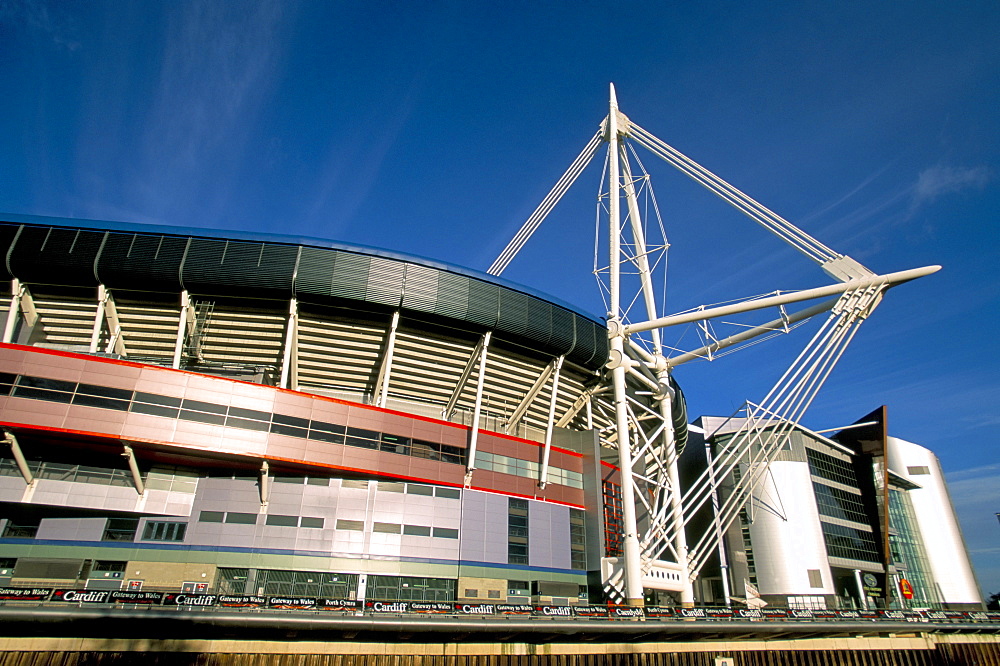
{"x":528,"y":469}
{"x":850,"y":543}
{"x":396,"y":528}
{"x":827,"y":467}
{"x":103,"y":397}
{"x":273,"y":519}
{"x":838,"y":503}
{"x":419,"y":489}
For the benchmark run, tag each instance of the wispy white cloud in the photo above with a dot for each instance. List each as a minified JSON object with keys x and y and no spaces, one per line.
{"x":219,"y":67}
{"x":40,"y":18}
{"x":942,"y":179}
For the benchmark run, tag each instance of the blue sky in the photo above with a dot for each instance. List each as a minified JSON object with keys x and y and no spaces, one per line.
{"x":435,"y":128}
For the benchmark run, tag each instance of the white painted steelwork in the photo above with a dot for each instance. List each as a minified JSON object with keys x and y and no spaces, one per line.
{"x":655,"y":512}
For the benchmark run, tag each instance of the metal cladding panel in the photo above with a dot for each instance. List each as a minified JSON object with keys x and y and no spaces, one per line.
{"x":141,"y":261}
{"x":453,"y":296}
{"x":936,"y":520}
{"x":788,"y":538}
{"x":591,"y":348}
{"x":350,"y":275}
{"x":385,"y":282}
{"x":420,"y":288}
{"x":7,"y":234}
{"x":56,"y":255}
{"x":563,"y":335}
{"x":484,"y":303}
{"x":312,"y":282}
{"x":513,"y":313}
{"x":234,"y":267}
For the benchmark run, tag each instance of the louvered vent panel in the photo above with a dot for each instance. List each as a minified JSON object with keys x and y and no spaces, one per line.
{"x":140,"y":261}
{"x":591,"y":347}
{"x":350,"y":276}
{"x":56,"y":255}
{"x":420,"y":290}
{"x":513,"y":314}
{"x":484,"y":303}
{"x":217,"y":267}
{"x":7,"y":233}
{"x":563,"y":334}
{"x":453,"y":296}
{"x":312,"y":282}
{"x":385,"y":282}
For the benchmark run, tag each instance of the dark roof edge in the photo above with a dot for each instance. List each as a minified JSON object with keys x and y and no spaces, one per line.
{"x":229,"y":234}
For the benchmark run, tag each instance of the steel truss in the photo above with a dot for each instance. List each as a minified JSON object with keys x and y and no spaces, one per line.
{"x":638,"y":397}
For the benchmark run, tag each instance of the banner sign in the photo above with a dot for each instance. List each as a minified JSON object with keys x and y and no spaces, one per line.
{"x":590,"y":611}
{"x":554,"y":611}
{"x":515,"y":609}
{"x":82,"y":596}
{"x":325,"y":603}
{"x":130,"y":597}
{"x":25,"y":593}
{"x":189,"y":599}
{"x":292,"y":603}
{"x":387,"y":606}
{"x":891,"y":615}
{"x":476,"y":609}
{"x":241,"y":601}
{"x":126,"y":597}
{"x":430,"y":607}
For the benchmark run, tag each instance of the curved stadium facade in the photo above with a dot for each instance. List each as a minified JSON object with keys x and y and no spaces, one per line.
{"x":247,"y":414}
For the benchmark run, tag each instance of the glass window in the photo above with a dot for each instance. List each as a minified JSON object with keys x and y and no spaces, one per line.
{"x":832,"y":469}
{"x":212,"y":516}
{"x":282,"y":521}
{"x":251,"y":414}
{"x":448,"y":493}
{"x":387,"y":528}
{"x":120,"y":529}
{"x":445,"y":533}
{"x":102,"y":396}
{"x":236,"y":518}
{"x":416,"y":530}
{"x":351,"y":525}
{"x":850,"y":543}
{"x":20,"y":528}
{"x":311,"y":522}
{"x":164,"y":531}
{"x":109,"y":566}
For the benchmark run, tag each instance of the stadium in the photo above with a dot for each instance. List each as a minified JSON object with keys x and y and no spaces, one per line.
{"x":261,"y":415}
{"x":193,"y":416}
{"x":273,"y":418}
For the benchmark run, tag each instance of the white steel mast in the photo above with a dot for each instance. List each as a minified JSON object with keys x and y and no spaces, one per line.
{"x":639,"y":419}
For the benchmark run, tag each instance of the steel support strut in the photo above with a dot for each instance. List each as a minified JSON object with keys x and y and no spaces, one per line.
{"x":632,"y":562}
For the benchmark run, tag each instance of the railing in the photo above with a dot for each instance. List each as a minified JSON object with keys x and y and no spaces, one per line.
{"x":128,"y":599}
